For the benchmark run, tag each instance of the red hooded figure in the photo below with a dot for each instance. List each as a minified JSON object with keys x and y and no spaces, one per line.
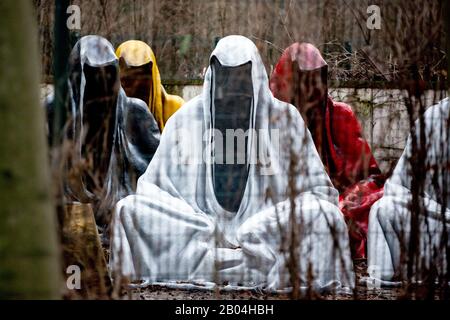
{"x":300,"y":78}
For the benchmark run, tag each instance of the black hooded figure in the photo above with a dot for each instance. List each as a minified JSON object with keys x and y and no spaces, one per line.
{"x":112,"y":137}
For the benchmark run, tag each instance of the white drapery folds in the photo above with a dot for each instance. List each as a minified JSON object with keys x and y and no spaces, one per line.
{"x":410,"y":232}
{"x":174,"y":229}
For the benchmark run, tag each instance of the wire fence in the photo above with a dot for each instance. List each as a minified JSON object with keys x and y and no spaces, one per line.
{"x":174,"y":228}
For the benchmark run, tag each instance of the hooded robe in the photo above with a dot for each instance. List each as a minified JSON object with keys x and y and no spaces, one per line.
{"x":182,"y":226}
{"x":140,"y":78}
{"x":300,"y":78}
{"x":390,"y":223}
{"x":112,"y":137}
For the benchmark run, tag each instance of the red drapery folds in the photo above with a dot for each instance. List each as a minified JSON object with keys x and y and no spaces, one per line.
{"x":300,"y":78}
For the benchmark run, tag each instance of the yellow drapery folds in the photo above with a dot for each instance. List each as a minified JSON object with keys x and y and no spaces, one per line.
{"x":161,"y":104}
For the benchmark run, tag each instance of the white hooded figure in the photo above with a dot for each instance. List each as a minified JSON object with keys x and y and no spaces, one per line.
{"x":236,"y":192}
{"x":423,"y":169}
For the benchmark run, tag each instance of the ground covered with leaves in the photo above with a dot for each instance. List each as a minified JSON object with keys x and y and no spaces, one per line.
{"x":361,"y":292}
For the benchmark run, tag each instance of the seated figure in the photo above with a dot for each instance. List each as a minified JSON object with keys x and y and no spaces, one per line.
{"x":110,"y":138}
{"x":139,"y":75}
{"x":300,"y":78}
{"x":236,"y":192}
{"x":409,"y":226}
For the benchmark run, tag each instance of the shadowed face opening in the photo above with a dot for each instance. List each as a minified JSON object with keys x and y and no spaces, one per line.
{"x":102,"y":84}
{"x":231,"y":111}
{"x":99,"y":115}
{"x":310,"y":90}
{"x":310,"y":96}
{"x":136,"y":81}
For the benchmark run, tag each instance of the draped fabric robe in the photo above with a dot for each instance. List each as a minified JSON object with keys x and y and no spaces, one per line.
{"x":174,"y":229}
{"x":409,"y":225}
{"x":337,"y":135}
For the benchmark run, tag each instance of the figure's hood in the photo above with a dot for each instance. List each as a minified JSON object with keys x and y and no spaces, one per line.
{"x":136,"y":53}
{"x":307,"y":56}
{"x":235,"y":51}
{"x":234,"y":85}
{"x":300,"y":78}
{"x":91,"y":53}
{"x":94,"y":50}
{"x":139,"y":56}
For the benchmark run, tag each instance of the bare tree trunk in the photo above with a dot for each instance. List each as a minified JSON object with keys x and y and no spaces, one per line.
{"x":28,"y":248}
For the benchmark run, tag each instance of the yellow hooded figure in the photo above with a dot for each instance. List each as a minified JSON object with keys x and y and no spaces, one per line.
{"x":140,"y":78}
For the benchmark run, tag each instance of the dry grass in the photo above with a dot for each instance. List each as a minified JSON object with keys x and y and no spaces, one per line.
{"x":408,"y":53}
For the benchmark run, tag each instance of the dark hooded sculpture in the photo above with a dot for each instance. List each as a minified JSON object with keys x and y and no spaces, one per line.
{"x":111,"y":137}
